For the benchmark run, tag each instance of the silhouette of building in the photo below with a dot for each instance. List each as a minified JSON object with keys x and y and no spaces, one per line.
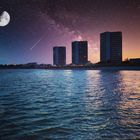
{"x":111,"y":47}
{"x":135,"y":60}
{"x":79,"y":52}
{"x":59,"y":56}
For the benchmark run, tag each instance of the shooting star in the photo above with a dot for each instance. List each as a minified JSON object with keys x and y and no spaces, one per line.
{"x":36,"y":44}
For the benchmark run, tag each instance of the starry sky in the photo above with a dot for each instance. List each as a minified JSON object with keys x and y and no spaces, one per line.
{"x":38,"y":25}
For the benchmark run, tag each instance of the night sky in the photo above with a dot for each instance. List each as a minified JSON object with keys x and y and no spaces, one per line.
{"x":38,"y":25}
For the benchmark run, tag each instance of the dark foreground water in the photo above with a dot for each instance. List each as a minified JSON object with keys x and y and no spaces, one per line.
{"x":69,"y":104}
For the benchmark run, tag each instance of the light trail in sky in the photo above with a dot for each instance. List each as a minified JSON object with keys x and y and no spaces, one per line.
{"x":36,"y":44}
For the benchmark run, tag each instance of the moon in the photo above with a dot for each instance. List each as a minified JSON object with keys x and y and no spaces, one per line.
{"x":4,"y":18}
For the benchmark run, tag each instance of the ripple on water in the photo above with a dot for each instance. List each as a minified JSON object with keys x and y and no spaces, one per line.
{"x":69,"y":104}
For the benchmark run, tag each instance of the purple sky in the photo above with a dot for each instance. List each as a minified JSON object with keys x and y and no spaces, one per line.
{"x":38,"y":25}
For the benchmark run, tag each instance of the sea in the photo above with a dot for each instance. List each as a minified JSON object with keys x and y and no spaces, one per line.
{"x":69,"y":104}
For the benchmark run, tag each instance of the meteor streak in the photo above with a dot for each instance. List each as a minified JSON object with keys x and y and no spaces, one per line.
{"x":36,"y":44}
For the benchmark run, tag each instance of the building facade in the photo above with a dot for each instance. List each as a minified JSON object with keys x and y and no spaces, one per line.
{"x":111,"y":47}
{"x":59,"y":55}
{"x":79,"y":52}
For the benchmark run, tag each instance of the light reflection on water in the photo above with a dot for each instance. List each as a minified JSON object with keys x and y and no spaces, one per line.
{"x":69,"y":104}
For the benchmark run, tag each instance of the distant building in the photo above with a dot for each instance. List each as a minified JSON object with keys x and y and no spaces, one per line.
{"x":59,"y":56}
{"x":111,"y":47}
{"x":31,"y":64}
{"x":135,"y":60}
{"x":79,"y":52}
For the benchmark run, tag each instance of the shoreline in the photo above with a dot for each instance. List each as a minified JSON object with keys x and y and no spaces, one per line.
{"x":137,"y":68}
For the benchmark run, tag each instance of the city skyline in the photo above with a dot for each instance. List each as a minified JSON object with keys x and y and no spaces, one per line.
{"x":60,"y":51}
{"x":36,"y":26}
{"x":110,"y":50}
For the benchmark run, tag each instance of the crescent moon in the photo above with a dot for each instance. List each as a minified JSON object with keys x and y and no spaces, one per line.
{"x":4,"y":18}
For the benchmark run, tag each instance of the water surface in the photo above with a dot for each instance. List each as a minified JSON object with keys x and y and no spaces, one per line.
{"x":69,"y":104}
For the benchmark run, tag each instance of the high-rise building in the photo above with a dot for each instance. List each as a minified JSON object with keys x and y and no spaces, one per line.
{"x":111,"y":47}
{"x":79,"y":52}
{"x":59,"y":55}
